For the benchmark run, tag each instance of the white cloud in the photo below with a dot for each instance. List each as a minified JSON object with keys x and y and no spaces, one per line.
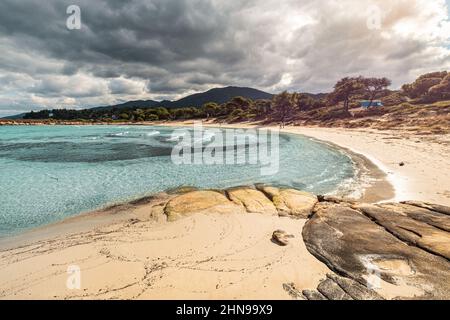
{"x":127,"y":86}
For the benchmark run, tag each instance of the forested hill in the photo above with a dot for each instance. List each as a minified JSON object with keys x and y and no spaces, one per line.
{"x":217,"y":95}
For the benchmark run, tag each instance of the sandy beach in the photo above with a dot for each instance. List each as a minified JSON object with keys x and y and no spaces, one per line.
{"x":424,"y":174}
{"x":225,"y":150}
{"x":131,"y":252}
{"x":201,"y":257}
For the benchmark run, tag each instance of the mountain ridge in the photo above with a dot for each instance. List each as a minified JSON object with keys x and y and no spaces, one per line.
{"x":217,"y":95}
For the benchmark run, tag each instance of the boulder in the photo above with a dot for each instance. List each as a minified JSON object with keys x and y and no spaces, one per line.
{"x":354,"y":246}
{"x":200,"y":202}
{"x":281,"y":238}
{"x":254,"y":201}
{"x":290,"y":202}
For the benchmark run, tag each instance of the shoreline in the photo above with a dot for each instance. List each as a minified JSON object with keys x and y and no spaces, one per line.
{"x":371,"y":186}
{"x":135,"y":250}
{"x":414,"y":165}
{"x":378,"y":180}
{"x":372,"y":177}
{"x":372,"y":180}
{"x":209,"y":245}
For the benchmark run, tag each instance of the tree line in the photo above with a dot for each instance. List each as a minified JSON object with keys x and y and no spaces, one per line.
{"x":237,"y":109}
{"x":347,"y":93}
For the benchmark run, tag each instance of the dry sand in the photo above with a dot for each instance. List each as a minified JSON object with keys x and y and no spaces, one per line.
{"x":123,"y":254}
{"x":425,"y":175}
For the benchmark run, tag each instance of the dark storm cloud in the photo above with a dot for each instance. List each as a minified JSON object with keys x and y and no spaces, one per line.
{"x":161,"y":33}
{"x":167,"y":48}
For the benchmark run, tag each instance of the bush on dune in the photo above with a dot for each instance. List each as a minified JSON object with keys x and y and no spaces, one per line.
{"x":429,"y":87}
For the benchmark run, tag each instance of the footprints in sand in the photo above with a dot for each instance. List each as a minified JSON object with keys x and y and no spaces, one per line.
{"x":202,"y":256}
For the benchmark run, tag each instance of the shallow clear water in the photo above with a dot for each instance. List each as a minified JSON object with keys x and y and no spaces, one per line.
{"x":49,"y":173}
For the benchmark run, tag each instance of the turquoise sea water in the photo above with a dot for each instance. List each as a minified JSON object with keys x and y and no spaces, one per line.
{"x":48,"y":173}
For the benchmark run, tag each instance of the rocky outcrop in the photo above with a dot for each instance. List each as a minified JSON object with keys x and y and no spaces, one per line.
{"x":354,"y":289}
{"x":332,"y":291}
{"x":335,"y":287}
{"x":433,"y":207}
{"x":366,"y":243}
{"x":419,"y":227}
{"x":253,"y":200}
{"x":290,"y":202}
{"x":200,"y":202}
{"x":313,"y":295}
{"x":368,"y":246}
{"x":263,"y":200}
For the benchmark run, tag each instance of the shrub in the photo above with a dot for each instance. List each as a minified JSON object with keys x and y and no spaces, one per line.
{"x":152,"y":117}
{"x":393,"y":99}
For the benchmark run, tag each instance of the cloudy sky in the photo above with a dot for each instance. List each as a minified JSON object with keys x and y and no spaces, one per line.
{"x":165,"y":49}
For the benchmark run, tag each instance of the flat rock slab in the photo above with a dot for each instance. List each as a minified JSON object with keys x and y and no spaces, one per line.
{"x":353,"y":245}
{"x":254,"y":201}
{"x":420,"y":227}
{"x":434,"y":218}
{"x":434,"y":207}
{"x":200,"y":202}
{"x":290,"y":202}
